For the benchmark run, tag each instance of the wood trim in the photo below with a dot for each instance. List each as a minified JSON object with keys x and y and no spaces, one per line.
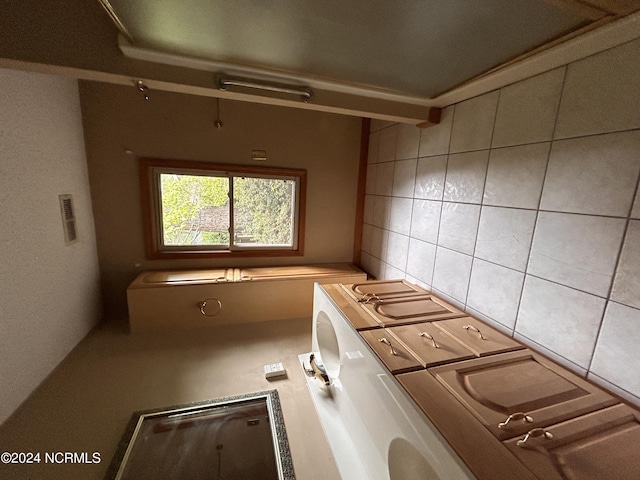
{"x":579,"y":7}
{"x":360,"y":195}
{"x":148,"y":207}
{"x":590,"y":8}
{"x":433,"y":118}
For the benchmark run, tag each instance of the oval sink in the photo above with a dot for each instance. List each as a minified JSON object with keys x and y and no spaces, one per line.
{"x":328,"y":345}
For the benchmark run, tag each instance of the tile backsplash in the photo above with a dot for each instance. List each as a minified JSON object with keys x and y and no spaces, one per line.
{"x":522,"y":208}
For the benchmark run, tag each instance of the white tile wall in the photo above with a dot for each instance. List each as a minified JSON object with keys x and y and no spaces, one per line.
{"x":371,"y":179}
{"x":430,"y":176}
{"x":381,"y":211}
{"x":544,"y":318}
{"x":626,"y":288}
{"x":397,"y":250}
{"x":404,"y":178}
{"x":505,"y":286}
{"x":473,"y":123}
{"x":635,"y":212}
{"x":451,"y":273}
{"x":421,"y":260}
{"x":466,"y":173}
{"x":552,"y":166}
{"x":387,"y":144}
{"x":515,"y":175}
{"x":601,"y":93}
{"x":384,"y":178}
{"x":400,"y":215}
{"x":579,"y":251}
{"x":595,"y":175}
{"x":527,"y":110}
{"x":617,"y":351}
{"x":374,"y":146}
{"x":425,"y":220}
{"x":408,"y":141}
{"x":459,"y":226}
{"x":435,"y":140}
{"x":504,"y":236}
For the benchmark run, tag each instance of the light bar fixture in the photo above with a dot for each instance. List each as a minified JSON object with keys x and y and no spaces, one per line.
{"x":224,"y":82}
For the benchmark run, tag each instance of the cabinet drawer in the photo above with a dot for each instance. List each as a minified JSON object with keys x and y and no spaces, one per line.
{"x":392,"y":353}
{"x":602,"y":444}
{"x":430,"y":345}
{"x":479,"y":337}
{"x":532,"y":390}
{"x":411,"y":309}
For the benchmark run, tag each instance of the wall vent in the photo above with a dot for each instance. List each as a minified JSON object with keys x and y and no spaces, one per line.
{"x":68,"y":218}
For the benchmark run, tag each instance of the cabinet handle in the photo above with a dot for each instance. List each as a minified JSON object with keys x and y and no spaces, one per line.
{"x":536,"y":432}
{"x":388,"y":343}
{"x":474,"y":329}
{"x":369,"y":298}
{"x":516,"y":416}
{"x":433,"y":340}
{"x":203,"y":306}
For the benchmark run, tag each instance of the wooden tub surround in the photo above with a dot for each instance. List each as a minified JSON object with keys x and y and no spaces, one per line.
{"x":182,"y":299}
{"x":507,"y":411}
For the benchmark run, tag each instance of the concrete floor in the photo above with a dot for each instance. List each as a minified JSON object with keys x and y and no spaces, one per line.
{"x":86,"y":403}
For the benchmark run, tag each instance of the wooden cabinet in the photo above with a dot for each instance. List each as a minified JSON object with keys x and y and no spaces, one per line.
{"x":359,"y":319}
{"x":172,"y":300}
{"x":383,"y":289}
{"x":411,"y":309}
{"x":486,"y":393}
{"x":601,"y":445}
{"x":479,"y":337}
{"x":513,"y":393}
{"x":429,"y":344}
{"x":392,"y":353}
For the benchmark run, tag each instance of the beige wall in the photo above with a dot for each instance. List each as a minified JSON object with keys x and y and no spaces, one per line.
{"x":522,"y":207}
{"x":178,"y":126}
{"x":50,"y":291}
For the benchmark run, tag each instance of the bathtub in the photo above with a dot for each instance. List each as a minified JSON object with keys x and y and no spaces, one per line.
{"x":181,"y":299}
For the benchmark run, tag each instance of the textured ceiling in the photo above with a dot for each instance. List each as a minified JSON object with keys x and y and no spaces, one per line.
{"x":416,"y":48}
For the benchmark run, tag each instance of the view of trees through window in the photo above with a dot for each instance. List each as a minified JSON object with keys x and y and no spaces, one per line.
{"x":196,"y":210}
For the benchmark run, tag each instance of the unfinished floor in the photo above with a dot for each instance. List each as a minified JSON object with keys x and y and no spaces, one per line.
{"x":85,"y":404}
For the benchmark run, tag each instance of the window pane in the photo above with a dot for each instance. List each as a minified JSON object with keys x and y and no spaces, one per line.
{"x":195,"y":210}
{"x":263,"y":211}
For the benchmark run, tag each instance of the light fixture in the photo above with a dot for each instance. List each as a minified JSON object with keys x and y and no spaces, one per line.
{"x":224,"y":82}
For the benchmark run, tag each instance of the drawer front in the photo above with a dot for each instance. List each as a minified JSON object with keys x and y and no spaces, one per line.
{"x":429,"y":344}
{"x":391,"y":352}
{"x":603,"y":444}
{"x":524,"y":385}
{"x":479,"y":337}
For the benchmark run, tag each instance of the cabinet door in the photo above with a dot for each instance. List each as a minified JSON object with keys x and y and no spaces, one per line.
{"x":429,"y":344}
{"x":600,"y":445}
{"x":411,"y":309}
{"x":532,"y":390}
{"x":383,"y":289}
{"x":395,"y":357}
{"x":478,"y":337}
{"x":359,"y":319}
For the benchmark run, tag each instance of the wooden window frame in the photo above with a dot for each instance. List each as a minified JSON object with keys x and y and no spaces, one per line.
{"x":154,"y":248}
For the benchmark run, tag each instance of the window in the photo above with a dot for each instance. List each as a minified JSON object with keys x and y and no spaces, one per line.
{"x":195,"y":209}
